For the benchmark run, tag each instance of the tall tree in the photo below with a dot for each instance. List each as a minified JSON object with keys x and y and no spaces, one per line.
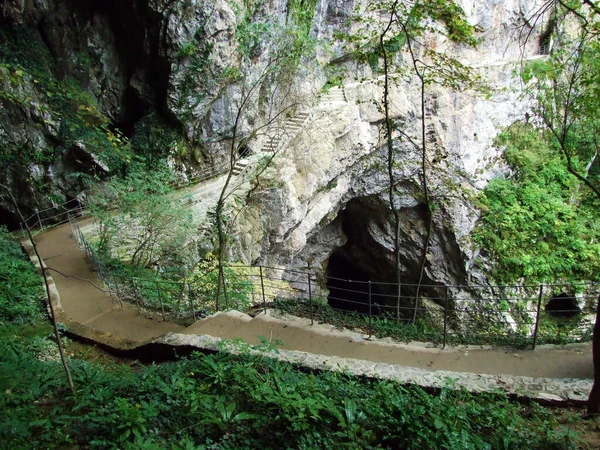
{"x":565,"y":93}
{"x":392,"y":40}
{"x":270,"y":56}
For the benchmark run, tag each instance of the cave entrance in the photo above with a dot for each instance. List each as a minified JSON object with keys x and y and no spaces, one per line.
{"x":10,"y":220}
{"x":348,"y":286}
{"x":563,"y":306}
{"x":243,"y":150}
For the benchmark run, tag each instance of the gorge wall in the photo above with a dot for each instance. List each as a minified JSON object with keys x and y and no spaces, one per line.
{"x":145,"y":65}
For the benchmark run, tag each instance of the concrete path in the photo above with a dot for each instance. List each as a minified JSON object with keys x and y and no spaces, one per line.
{"x":88,"y":306}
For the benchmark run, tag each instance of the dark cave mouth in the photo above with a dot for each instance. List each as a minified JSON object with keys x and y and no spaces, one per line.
{"x":563,"y":306}
{"x":349,"y":287}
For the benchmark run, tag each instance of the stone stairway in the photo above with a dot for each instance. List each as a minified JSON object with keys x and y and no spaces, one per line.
{"x":205,"y":194}
{"x":240,"y":166}
{"x":288,"y":129}
{"x":335,"y":95}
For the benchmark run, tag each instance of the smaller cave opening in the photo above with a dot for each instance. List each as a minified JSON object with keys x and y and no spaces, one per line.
{"x":348,"y":287}
{"x":9,"y":220}
{"x":243,"y":150}
{"x":132,"y":110}
{"x":545,"y":40}
{"x":563,"y":306}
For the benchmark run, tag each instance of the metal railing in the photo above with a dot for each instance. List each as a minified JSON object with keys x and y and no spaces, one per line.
{"x":42,"y":220}
{"x":510,"y":315}
{"x":59,"y":214}
{"x":513,"y":316}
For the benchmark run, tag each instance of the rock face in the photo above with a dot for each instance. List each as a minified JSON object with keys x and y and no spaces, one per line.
{"x":332,"y":212}
{"x":323,"y":202}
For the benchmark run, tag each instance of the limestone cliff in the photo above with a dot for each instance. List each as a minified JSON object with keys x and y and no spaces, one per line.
{"x":324,"y":196}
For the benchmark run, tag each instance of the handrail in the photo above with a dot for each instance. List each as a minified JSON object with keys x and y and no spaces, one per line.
{"x":188,"y":298}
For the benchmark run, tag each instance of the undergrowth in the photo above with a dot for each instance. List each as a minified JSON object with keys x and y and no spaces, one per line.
{"x":220,"y":401}
{"x":20,"y":285}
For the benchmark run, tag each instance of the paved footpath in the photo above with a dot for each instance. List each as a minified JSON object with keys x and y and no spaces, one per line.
{"x":548,"y":373}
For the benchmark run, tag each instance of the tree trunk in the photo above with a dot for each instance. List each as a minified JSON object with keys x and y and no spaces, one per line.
{"x":593,"y":406}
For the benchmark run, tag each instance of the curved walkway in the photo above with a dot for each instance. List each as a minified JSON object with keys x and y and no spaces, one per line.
{"x":547,"y":373}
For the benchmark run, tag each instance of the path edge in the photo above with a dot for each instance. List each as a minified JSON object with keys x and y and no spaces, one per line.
{"x":547,"y":391}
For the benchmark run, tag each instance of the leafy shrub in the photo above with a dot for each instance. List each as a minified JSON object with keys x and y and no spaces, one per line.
{"x":538,"y":225}
{"x":149,"y":226}
{"x":220,"y":401}
{"x":238,"y":283}
{"x":20,"y":284}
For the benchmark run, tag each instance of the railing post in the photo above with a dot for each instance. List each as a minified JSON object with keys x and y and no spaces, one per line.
{"x":445,"y":315}
{"x":310,"y":302}
{"x":370,"y":313}
{"x":398,"y":304}
{"x":262,"y":290}
{"x":191,"y":297}
{"x":225,"y":291}
{"x":39,"y":221}
{"x":162,"y":308}
{"x":346,"y":300}
{"x":181,"y":300}
{"x":537,"y":316}
{"x":135,"y":295}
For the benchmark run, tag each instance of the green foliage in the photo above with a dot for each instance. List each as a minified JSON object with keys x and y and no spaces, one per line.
{"x":63,"y":105}
{"x":20,"y":47}
{"x":239,"y":289}
{"x":564,"y":90}
{"x":539,"y":225}
{"x":301,"y":13}
{"x":452,"y":16}
{"x":219,"y":401}
{"x":20,"y":284}
{"x":155,"y":139}
{"x":287,"y":45}
{"x":409,"y":22}
{"x":149,"y":225}
{"x":26,"y":72}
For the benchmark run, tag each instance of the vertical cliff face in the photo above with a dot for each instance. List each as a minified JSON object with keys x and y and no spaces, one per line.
{"x":323,"y":201}
{"x":71,"y":73}
{"x":328,"y":208}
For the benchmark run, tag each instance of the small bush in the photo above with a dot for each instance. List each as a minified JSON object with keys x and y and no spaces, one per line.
{"x":20,"y":284}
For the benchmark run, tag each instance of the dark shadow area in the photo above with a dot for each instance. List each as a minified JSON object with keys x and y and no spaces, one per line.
{"x":9,"y":220}
{"x":545,"y":40}
{"x":349,"y":287}
{"x":243,"y":151}
{"x":363,"y":258}
{"x":563,"y":306}
{"x":132,"y":110}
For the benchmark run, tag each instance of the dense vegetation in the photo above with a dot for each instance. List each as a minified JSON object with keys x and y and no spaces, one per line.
{"x":540,"y":224}
{"x":20,"y":284}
